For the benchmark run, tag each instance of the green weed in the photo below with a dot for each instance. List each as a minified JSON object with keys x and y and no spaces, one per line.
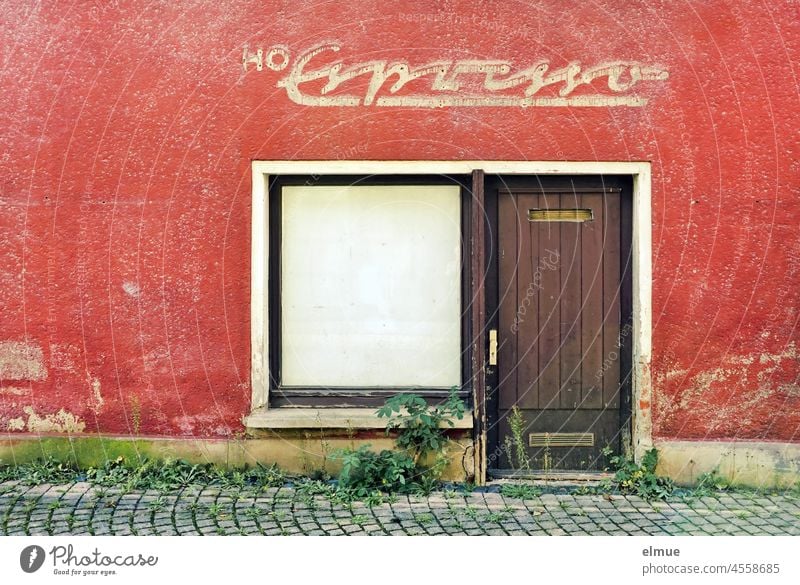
{"x":641,"y":480}
{"x":520,"y":491}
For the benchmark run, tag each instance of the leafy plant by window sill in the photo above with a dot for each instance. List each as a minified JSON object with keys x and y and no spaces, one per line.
{"x":364,"y":470}
{"x":421,"y":435}
{"x":420,"y":427}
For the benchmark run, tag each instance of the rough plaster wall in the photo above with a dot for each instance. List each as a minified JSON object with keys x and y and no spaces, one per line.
{"x":128,"y":129}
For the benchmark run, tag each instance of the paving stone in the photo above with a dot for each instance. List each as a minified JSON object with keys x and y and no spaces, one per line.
{"x":77,"y":509}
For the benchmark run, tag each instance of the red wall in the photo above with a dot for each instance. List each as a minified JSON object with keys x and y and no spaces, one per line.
{"x":127,"y":131}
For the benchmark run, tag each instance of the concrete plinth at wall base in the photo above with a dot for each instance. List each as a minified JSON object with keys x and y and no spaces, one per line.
{"x":743,"y":463}
{"x":294,"y":451}
{"x":305,"y":451}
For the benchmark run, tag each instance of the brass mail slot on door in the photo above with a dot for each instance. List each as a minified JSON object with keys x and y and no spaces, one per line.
{"x":574,"y":215}
{"x":561,"y":440}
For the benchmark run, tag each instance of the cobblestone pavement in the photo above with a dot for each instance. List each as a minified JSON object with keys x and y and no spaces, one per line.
{"x":82,"y":509}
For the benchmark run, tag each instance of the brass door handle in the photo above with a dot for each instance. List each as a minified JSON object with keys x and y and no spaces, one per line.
{"x":492,"y":347}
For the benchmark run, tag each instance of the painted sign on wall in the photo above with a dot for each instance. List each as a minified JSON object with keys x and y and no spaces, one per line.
{"x":446,"y":80}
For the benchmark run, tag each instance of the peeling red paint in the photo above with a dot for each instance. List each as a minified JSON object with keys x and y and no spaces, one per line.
{"x":128,"y":129}
{"x":738,"y":396}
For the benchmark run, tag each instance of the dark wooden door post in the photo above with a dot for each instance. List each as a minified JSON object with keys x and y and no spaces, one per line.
{"x":478,"y":329}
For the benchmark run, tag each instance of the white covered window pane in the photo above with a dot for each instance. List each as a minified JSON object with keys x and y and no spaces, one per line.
{"x":371,"y":286}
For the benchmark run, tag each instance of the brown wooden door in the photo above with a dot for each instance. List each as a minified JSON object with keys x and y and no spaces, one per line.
{"x":563,"y":320}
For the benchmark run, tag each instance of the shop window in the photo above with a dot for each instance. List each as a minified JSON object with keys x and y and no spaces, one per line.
{"x":367,"y":288}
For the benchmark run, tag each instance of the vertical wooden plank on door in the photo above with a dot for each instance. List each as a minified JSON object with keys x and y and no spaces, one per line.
{"x":570,"y":307}
{"x":527,"y":305}
{"x":611,"y":300}
{"x":509,"y":250}
{"x":479,"y":335}
{"x":592,"y":301}
{"x":549,"y":307}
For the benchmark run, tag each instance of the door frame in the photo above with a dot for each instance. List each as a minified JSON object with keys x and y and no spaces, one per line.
{"x":641,"y":250}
